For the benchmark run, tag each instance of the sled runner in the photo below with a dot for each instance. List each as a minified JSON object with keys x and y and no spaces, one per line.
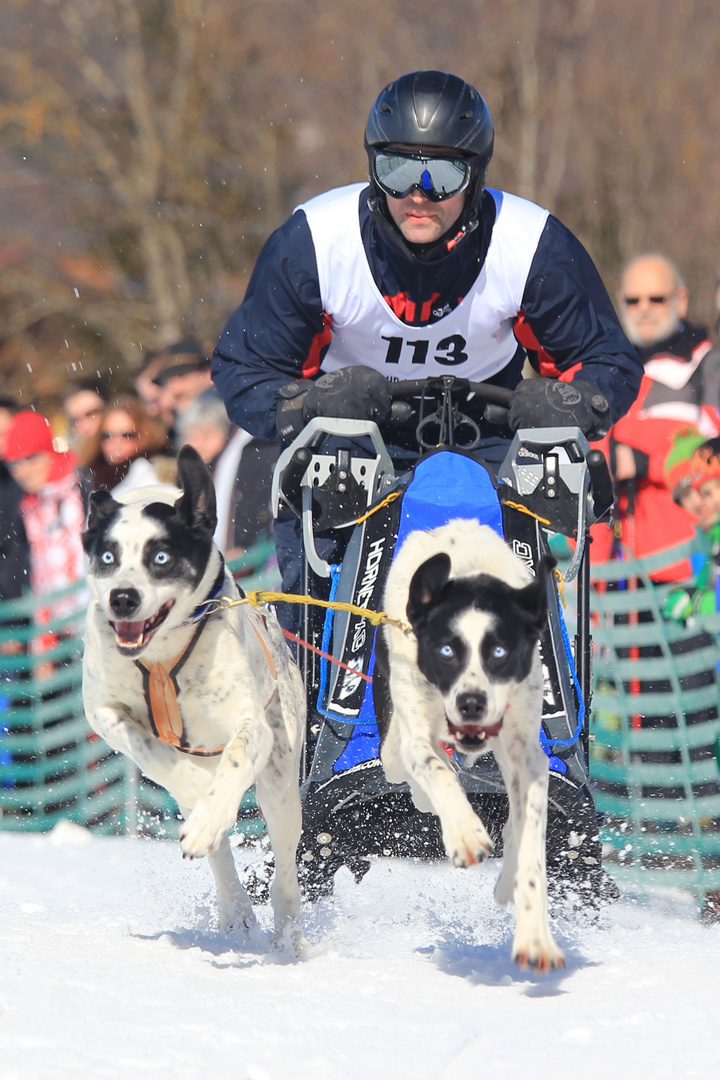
{"x":356,"y":507}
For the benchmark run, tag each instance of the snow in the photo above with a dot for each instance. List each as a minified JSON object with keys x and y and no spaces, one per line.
{"x":113,"y":968}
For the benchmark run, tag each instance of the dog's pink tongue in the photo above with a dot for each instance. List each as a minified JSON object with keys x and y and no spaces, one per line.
{"x":129,"y":631}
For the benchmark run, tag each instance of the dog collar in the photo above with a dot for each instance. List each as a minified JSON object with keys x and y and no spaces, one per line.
{"x":203,"y":609}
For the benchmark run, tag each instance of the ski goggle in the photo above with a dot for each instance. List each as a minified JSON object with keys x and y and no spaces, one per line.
{"x":437,"y":178}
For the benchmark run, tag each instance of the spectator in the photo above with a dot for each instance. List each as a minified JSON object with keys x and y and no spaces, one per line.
{"x":83,"y":405}
{"x":681,"y":386}
{"x":51,"y":505}
{"x":241,"y":468}
{"x":148,"y":391}
{"x":14,"y":551}
{"x":692,"y":473}
{"x":678,"y":473}
{"x":705,"y":477}
{"x":128,"y":451}
{"x":183,"y":375}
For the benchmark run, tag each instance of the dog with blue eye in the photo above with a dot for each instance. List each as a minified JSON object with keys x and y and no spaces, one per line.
{"x":204,"y":698}
{"x":469,"y":677}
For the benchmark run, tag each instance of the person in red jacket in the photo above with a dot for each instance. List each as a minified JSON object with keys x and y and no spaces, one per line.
{"x":680,"y":387}
{"x":51,"y":505}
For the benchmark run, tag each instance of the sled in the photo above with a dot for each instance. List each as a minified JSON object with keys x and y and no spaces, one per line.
{"x":355,"y":506}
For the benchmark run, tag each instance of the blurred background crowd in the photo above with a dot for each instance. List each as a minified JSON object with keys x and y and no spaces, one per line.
{"x":99,"y":439}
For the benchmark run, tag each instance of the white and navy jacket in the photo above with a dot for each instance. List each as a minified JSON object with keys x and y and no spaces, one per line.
{"x":331,"y":288}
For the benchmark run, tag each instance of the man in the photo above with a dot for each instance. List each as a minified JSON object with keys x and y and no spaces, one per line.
{"x":83,"y":405}
{"x":423,"y":272}
{"x":183,"y":375}
{"x":680,"y":387}
{"x":241,"y":468}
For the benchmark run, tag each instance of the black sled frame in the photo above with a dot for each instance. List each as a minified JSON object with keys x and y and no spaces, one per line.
{"x":339,"y":478}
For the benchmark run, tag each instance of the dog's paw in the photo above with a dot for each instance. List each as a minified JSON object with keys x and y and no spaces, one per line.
{"x":467,"y":842}
{"x":537,"y":951}
{"x":205,"y":828}
{"x":290,"y":940}
{"x":236,"y":915}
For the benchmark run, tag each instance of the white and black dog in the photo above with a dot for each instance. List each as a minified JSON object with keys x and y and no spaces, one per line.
{"x":470,"y":677}
{"x":206,"y":702}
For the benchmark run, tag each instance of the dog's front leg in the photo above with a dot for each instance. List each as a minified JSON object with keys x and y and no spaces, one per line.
{"x":216,"y":811}
{"x":117,"y":728}
{"x":234,"y":905}
{"x":466,"y":839}
{"x":179,"y":774}
{"x":525,"y":771}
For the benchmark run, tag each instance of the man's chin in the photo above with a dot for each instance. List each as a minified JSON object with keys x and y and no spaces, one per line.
{"x":419,"y":234}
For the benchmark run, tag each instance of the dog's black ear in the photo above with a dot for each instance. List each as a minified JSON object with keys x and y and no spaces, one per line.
{"x":100,"y":507}
{"x":532,"y":600}
{"x":427,"y":583}
{"x":197,"y":505}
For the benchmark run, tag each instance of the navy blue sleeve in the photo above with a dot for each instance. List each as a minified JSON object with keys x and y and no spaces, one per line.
{"x":571,"y":316}
{"x":270,"y":336}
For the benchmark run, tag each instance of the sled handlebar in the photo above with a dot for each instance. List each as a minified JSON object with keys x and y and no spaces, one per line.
{"x":438,"y":406}
{"x":487,"y":392}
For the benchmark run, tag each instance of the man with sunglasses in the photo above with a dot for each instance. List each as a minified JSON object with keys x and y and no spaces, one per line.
{"x":424,"y":272}
{"x":680,"y":389}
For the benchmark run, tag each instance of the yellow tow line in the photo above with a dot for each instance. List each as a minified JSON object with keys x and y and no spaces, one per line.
{"x":259,"y":597}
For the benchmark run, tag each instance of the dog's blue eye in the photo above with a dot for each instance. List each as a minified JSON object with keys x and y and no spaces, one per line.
{"x":161,"y":558}
{"x":447,"y":652}
{"x":499,"y":652}
{"x":107,"y":557}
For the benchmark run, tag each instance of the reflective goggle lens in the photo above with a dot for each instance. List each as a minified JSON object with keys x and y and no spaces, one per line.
{"x":437,"y":178}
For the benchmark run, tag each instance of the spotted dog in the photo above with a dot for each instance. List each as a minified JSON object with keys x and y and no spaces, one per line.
{"x":469,"y":677}
{"x":206,"y":702}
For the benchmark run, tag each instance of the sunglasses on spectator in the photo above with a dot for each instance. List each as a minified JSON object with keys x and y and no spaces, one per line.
{"x":437,"y":178}
{"x":118,"y":435}
{"x":631,"y":301}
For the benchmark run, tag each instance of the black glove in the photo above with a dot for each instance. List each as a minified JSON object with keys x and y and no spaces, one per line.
{"x":352,"y":393}
{"x":289,"y":417}
{"x":541,"y":403}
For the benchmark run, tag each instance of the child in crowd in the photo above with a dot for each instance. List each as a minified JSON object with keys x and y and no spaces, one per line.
{"x":692,"y":473}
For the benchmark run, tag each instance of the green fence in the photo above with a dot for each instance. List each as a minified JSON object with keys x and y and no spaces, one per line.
{"x":52,"y":766}
{"x":655,"y":729}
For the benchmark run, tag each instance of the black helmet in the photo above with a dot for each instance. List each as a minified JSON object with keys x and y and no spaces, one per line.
{"x":432,"y":109}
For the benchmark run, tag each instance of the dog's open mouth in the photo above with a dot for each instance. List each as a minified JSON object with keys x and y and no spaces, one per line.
{"x":132,"y":637}
{"x":471,"y":737}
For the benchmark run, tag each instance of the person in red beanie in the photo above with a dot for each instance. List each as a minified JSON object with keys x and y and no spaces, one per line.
{"x":51,"y":505}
